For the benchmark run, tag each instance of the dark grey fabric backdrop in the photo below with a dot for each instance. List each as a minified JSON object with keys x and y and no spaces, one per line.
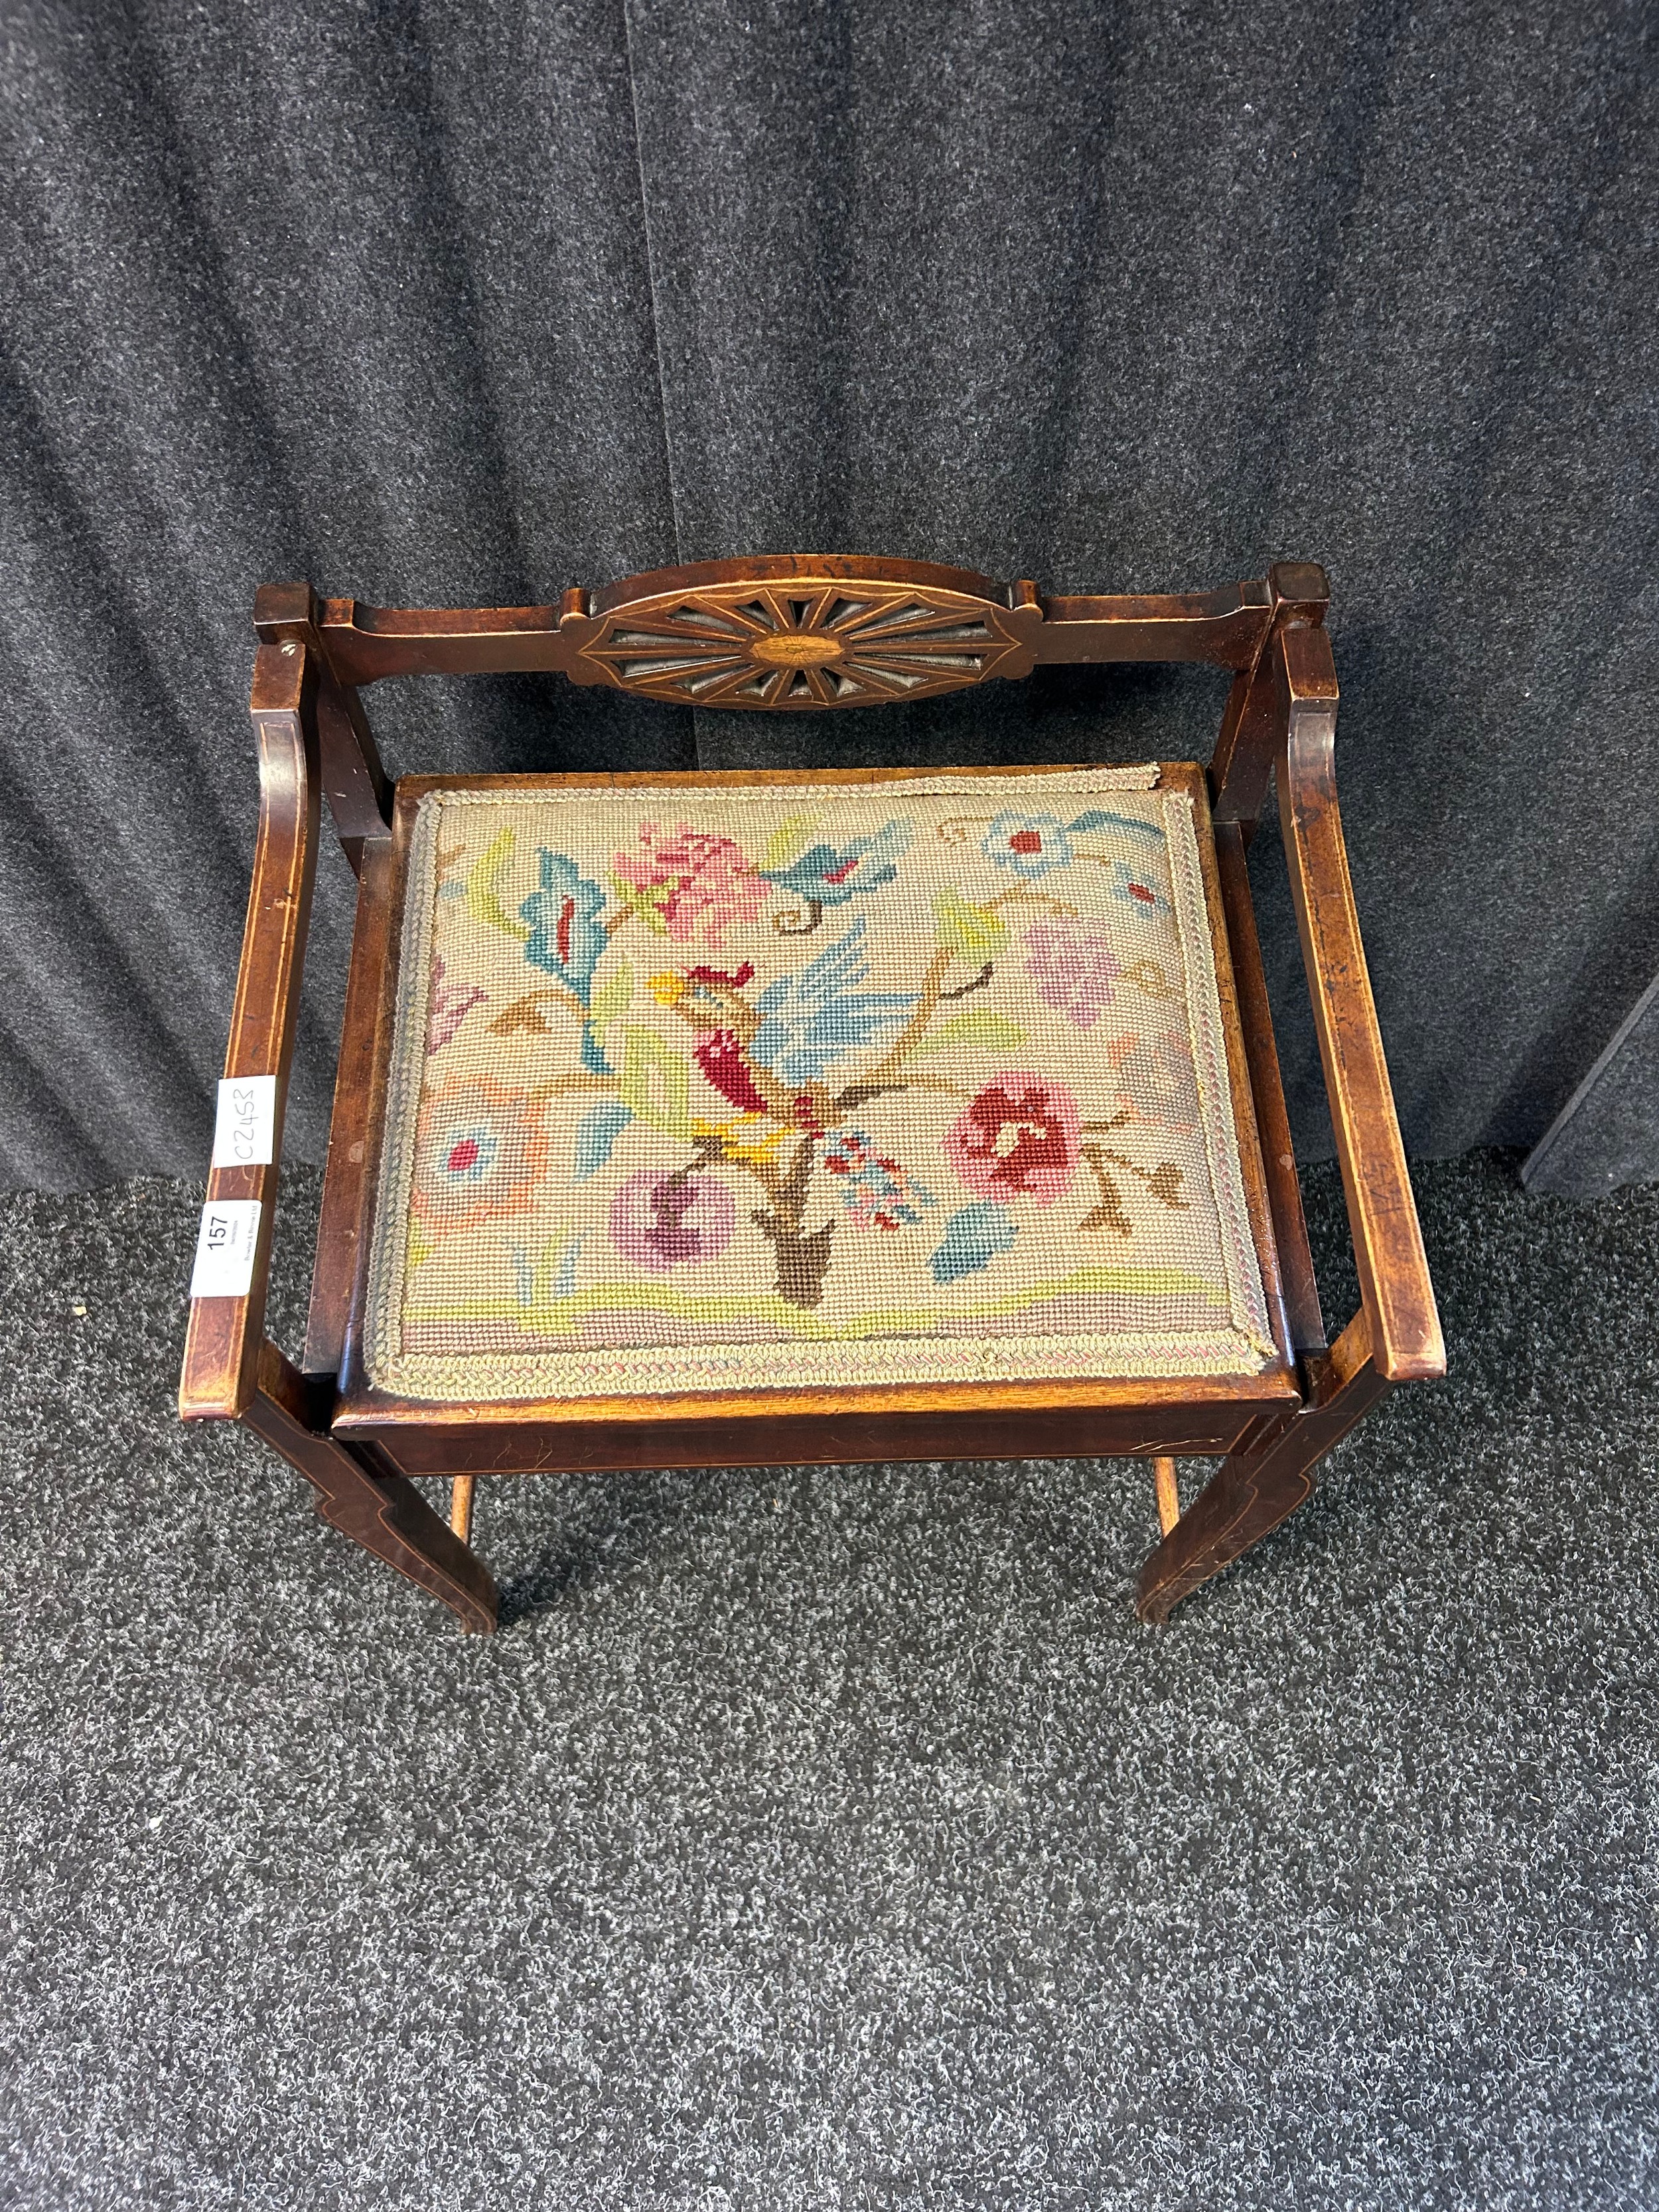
{"x":467,"y":303}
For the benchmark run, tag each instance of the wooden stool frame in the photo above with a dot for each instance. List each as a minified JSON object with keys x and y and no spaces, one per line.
{"x":359,"y":1446}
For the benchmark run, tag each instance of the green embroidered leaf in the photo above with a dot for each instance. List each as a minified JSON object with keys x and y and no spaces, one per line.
{"x":647,"y":901}
{"x":990,"y":1032}
{"x":612,"y":1000}
{"x":484,"y":897}
{"x":656,"y":1082}
{"x":967,"y":930}
{"x":786,"y":841}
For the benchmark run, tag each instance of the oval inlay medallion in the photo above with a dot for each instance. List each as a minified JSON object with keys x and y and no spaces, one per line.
{"x":804,"y":642}
{"x":797,"y":648}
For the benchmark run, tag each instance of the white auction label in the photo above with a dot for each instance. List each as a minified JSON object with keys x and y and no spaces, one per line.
{"x":224,"y":1248}
{"x":245,"y":1131}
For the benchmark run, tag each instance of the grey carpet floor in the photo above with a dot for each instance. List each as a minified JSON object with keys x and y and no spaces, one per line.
{"x":835,"y":1839}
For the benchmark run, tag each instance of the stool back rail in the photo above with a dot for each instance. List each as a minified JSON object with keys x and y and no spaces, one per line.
{"x":915,"y":630}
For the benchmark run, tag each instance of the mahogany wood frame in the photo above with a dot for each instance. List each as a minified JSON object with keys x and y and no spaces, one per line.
{"x":358,"y":1446}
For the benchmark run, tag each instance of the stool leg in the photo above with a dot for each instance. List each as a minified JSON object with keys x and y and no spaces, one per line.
{"x":1261,"y":1485}
{"x":460,"y":1506}
{"x":383,"y":1511}
{"x":1168,"y":1493}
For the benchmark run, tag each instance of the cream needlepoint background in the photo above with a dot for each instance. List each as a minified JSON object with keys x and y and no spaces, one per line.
{"x":712,"y":1086}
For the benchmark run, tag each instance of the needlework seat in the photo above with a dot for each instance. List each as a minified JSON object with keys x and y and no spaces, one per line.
{"x":923,"y":1080}
{"x":702,"y":1120}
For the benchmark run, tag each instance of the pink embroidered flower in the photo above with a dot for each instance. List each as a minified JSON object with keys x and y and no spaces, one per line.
{"x":1157,"y":1086}
{"x":1075,"y":968}
{"x":690,"y":883}
{"x":480,"y":1149}
{"x":661,"y":1221}
{"x":448,"y":1006}
{"x":1017,"y":1139}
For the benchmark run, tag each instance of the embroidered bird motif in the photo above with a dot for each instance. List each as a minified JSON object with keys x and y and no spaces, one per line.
{"x":721,"y":1058}
{"x":769,"y":1057}
{"x":812,"y":1019}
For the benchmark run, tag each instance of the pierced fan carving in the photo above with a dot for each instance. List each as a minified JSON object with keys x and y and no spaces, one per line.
{"x":805,"y":642}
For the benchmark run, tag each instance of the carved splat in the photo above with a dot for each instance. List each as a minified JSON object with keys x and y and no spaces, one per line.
{"x":804,"y":640}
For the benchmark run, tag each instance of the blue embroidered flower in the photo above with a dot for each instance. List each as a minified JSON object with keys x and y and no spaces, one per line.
{"x":1029,"y":844}
{"x":820,"y":1015}
{"x":566,"y":936}
{"x":831,"y":874}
